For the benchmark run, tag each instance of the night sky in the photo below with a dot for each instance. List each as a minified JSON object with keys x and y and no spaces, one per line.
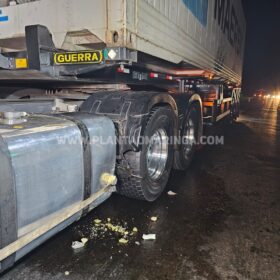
{"x":262,"y":55}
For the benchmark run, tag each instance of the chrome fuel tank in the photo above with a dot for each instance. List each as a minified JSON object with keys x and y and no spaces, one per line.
{"x":47,"y":165}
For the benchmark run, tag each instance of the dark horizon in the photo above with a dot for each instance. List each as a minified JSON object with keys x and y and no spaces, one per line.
{"x":262,"y":57}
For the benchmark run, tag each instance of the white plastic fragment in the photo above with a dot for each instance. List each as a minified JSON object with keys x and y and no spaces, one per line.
{"x":137,"y":243}
{"x":97,"y":221}
{"x":171,"y":193}
{"x":123,"y":241}
{"x":84,"y":241}
{"x":67,"y":273}
{"x":154,"y":219}
{"x":149,"y":236}
{"x":77,"y":245}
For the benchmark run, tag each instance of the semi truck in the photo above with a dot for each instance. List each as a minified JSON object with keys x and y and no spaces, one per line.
{"x":98,"y":96}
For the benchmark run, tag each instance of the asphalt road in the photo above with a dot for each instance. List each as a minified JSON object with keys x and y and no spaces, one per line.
{"x":223,"y":224}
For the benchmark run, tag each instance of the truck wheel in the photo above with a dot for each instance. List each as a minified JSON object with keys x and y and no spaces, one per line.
{"x":150,"y":168}
{"x":189,"y":137}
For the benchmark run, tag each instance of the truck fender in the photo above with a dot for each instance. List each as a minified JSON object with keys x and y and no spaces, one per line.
{"x":163,"y":98}
{"x":130,"y":112}
{"x":195,"y":98}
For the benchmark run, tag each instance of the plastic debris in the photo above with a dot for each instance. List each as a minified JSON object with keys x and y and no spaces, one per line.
{"x":77,"y":245}
{"x":171,"y":193}
{"x":84,"y":241}
{"x":149,"y":236}
{"x":123,"y":241}
{"x":154,"y":219}
{"x":103,"y":228}
{"x":118,"y":229}
{"x":137,"y":243}
{"x":67,"y":273}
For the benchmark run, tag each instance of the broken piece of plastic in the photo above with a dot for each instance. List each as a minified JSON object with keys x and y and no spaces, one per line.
{"x":84,"y":241}
{"x":77,"y":245}
{"x":149,"y":236}
{"x":171,"y":193}
{"x":154,"y":219}
{"x":97,"y":221}
{"x":123,"y":241}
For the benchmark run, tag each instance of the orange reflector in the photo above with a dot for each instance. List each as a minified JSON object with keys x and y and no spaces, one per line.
{"x":208,"y":104}
{"x":194,"y":73}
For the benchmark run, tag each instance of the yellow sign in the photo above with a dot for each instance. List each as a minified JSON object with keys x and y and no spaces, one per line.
{"x":17,"y":126}
{"x":21,"y":63}
{"x":87,"y":57}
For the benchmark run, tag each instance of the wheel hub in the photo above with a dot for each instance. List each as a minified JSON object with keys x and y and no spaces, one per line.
{"x":157,"y":154}
{"x":189,"y":138}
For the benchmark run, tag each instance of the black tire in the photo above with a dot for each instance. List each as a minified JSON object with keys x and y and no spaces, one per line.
{"x":184,"y":155}
{"x":139,"y":182}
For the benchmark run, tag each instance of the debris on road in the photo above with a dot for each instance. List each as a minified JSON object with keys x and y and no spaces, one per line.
{"x":154,"y":219}
{"x":97,"y":221}
{"x":171,"y":193}
{"x":123,"y":241}
{"x":84,"y":241}
{"x":77,"y":245}
{"x":67,"y":273}
{"x":149,"y":236}
{"x":117,"y":228}
{"x":101,"y":229}
{"x":137,"y":243}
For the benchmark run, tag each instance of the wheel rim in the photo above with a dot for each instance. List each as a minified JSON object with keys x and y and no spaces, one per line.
{"x":157,"y":154}
{"x":189,"y":138}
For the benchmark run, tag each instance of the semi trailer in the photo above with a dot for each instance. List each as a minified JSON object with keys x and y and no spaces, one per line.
{"x":98,"y":96}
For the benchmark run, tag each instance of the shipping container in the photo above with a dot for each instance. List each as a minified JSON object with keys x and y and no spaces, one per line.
{"x":208,"y":34}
